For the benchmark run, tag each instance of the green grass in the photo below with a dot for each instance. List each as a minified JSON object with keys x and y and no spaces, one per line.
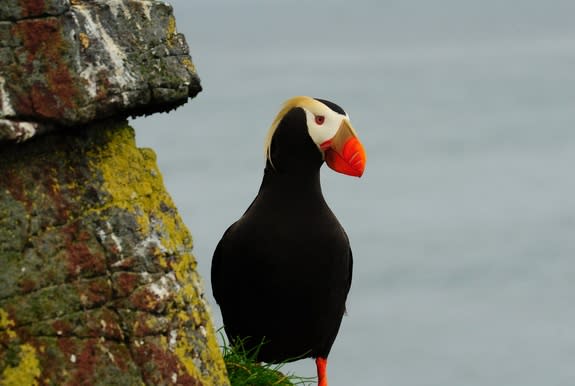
{"x":244,"y":370}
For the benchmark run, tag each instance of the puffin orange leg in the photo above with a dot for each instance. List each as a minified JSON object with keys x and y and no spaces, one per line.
{"x":321,"y":364}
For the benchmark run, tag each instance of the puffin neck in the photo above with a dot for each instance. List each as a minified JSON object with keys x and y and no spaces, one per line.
{"x":306,"y":183}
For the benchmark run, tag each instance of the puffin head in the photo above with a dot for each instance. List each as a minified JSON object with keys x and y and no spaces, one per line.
{"x":315,"y":130}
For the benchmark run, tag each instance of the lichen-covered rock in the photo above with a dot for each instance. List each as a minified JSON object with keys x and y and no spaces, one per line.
{"x":64,"y":63}
{"x":97,"y":278}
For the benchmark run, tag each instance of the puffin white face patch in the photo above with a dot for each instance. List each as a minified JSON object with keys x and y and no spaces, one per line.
{"x":322,"y":122}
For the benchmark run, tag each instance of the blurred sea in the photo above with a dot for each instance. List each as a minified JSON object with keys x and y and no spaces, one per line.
{"x":463,"y":226}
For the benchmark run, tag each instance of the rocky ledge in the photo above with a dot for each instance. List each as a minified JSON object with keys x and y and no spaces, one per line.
{"x":64,"y":63}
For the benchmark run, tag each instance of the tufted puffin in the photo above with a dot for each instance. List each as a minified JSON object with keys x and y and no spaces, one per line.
{"x":282,"y":272}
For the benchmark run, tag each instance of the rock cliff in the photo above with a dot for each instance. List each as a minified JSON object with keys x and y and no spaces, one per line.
{"x":97,"y":277}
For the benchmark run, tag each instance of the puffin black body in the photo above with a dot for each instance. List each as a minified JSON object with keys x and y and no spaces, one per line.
{"x":282,"y":272}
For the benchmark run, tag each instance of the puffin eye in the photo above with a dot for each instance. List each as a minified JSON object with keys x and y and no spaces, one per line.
{"x":319,"y":119}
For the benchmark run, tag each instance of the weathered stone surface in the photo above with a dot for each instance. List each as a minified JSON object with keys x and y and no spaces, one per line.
{"x":97,"y":279}
{"x":64,"y":63}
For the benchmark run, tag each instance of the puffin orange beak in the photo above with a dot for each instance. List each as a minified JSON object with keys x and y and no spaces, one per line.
{"x":344,"y":153}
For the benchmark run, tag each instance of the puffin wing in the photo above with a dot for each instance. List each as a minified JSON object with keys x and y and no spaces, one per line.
{"x":218,"y":282}
{"x":350,"y":274}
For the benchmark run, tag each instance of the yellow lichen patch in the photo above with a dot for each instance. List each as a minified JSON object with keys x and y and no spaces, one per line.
{"x":174,"y":235}
{"x":182,"y":268}
{"x":84,"y":40}
{"x":184,"y":349}
{"x":213,"y":351}
{"x":139,"y":190}
{"x":6,"y":324}
{"x":189,"y":64}
{"x":5,"y":321}
{"x":171,"y":32}
{"x":127,"y":185}
{"x":26,"y":372}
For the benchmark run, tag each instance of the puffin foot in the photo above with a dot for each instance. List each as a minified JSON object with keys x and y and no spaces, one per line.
{"x":321,"y":364}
